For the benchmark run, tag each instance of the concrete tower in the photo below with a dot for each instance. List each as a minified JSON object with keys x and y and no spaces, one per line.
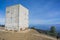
{"x":16,"y":17}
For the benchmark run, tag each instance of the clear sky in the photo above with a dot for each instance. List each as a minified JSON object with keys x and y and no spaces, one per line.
{"x":40,"y":11}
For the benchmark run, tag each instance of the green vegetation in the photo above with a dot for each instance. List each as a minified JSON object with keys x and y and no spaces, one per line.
{"x":32,"y":27}
{"x":2,"y":25}
{"x":52,"y":31}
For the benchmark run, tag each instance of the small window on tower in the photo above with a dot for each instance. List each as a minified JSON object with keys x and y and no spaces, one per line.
{"x":7,"y":11}
{"x":11,"y":17}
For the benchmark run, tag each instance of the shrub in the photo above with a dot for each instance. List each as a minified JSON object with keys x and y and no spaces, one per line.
{"x":52,"y":31}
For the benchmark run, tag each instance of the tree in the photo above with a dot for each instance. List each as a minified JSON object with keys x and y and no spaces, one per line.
{"x":53,"y":31}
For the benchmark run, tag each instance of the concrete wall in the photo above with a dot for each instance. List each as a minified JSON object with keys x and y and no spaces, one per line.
{"x":12,"y":17}
{"x":23,"y":17}
{"x":16,"y":17}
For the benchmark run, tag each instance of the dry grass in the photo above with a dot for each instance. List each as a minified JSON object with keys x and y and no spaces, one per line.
{"x":23,"y":35}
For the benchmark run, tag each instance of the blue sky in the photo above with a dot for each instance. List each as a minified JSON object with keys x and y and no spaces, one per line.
{"x":40,"y":11}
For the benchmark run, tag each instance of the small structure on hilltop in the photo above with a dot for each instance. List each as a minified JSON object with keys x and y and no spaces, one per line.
{"x":16,"y":18}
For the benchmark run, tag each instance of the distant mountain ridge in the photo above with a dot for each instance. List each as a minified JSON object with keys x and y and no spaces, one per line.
{"x":46,"y":27}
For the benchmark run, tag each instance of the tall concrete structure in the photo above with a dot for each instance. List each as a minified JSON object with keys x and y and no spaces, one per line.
{"x":16,"y":17}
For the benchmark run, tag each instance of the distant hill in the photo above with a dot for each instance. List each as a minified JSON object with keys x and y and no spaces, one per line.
{"x":46,"y":26}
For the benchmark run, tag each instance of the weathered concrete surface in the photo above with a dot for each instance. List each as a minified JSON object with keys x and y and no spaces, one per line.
{"x":16,"y":17}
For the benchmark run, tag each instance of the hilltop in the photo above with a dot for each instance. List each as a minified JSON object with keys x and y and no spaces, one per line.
{"x":29,"y":34}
